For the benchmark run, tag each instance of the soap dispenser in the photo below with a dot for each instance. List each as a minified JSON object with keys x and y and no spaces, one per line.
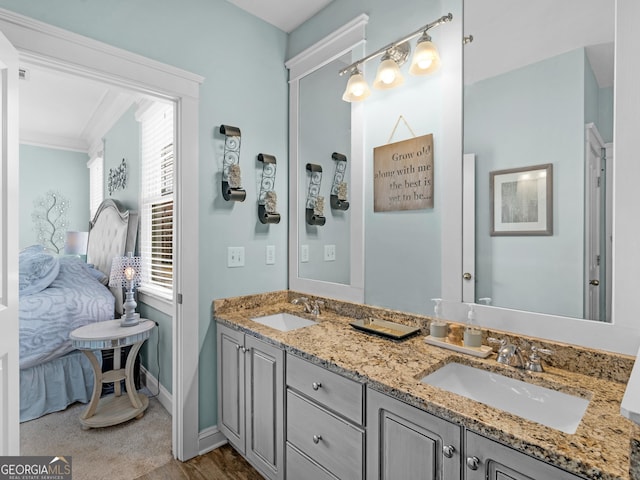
{"x":438,"y":328}
{"x":472,"y":334}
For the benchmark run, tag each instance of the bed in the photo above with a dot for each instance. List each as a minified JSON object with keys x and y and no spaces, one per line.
{"x":59,"y":294}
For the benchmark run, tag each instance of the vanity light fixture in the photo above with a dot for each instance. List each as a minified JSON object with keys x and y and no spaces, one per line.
{"x":425,"y":60}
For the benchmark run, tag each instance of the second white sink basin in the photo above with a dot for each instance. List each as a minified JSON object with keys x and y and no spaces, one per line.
{"x":539,"y":404}
{"x":284,"y":321}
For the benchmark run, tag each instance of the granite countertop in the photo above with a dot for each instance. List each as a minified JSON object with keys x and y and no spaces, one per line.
{"x":599,"y":449}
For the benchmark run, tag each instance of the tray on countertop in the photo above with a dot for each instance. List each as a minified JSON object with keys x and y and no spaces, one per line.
{"x":397,"y":331}
{"x":483,"y":351}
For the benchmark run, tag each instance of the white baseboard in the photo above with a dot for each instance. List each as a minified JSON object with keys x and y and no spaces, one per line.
{"x":210,"y":439}
{"x":164,"y":397}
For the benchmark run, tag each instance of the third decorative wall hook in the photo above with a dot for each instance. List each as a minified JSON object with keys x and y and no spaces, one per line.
{"x":231,"y":176}
{"x":315,"y":202}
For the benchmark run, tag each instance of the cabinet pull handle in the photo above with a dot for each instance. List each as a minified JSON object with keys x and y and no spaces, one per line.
{"x":317,"y":438}
{"x":316,"y":386}
{"x":473,"y":463}
{"x":448,"y":451}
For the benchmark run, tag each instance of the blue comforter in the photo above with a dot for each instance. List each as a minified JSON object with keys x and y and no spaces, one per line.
{"x":75,"y":298}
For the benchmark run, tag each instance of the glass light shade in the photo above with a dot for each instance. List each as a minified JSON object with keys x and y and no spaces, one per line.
{"x":357,"y":88}
{"x":426,"y":59}
{"x":388,"y":76}
{"x":76,"y":243}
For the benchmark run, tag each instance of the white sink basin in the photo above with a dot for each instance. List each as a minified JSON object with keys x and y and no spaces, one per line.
{"x":284,"y":321}
{"x":539,"y":404}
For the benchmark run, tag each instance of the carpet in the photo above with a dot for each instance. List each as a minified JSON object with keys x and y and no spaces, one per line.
{"x":121,"y":452}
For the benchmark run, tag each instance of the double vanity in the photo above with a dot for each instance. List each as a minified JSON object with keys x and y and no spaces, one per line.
{"x":308,"y":396}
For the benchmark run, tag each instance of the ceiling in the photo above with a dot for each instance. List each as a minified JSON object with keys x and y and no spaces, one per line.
{"x":287,"y":15}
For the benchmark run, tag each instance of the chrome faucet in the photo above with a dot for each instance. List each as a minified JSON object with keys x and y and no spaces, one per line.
{"x":310,"y":306}
{"x":509,"y":354}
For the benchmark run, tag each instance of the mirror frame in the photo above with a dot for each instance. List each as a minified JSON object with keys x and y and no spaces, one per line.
{"x":348,"y":38}
{"x":623,"y":335}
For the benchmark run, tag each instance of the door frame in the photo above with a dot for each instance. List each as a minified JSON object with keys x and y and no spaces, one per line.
{"x":56,"y":48}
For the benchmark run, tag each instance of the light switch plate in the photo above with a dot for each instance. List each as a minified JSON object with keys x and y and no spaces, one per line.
{"x":329,"y":253}
{"x":235,"y":257}
{"x":304,"y":253}
{"x":270,"y":255}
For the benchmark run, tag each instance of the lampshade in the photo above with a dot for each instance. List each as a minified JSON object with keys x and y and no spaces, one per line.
{"x":389,"y":75}
{"x":357,"y":88}
{"x":75,"y":243}
{"x":426,"y":59}
{"x":125,"y":272}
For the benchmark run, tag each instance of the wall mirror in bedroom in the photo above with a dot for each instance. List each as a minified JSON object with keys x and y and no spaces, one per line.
{"x":83,"y":141}
{"x":532,"y":99}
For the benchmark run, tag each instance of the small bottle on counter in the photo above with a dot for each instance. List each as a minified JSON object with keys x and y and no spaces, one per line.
{"x":472,"y":334}
{"x":438,"y":328}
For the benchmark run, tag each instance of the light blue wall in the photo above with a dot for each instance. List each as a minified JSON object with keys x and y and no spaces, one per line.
{"x":242,"y":60}
{"x":123,"y":141}
{"x":156,"y":353}
{"x":45,"y":169}
{"x":605,"y":113}
{"x":500,"y":115}
{"x":402,"y":249}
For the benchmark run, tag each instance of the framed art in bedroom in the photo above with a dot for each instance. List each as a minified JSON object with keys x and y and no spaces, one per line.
{"x":521,"y":201}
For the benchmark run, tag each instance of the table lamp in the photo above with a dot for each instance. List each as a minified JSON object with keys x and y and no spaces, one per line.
{"x":76,"y":243}
{"x":125,"y":272}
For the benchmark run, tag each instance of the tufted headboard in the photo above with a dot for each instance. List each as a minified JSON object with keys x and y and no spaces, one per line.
{"x":112,"y":233}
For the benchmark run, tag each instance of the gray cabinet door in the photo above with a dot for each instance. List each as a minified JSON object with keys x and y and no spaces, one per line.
{"x":490,"y":460}
{"x":231,"y":385}
{"x":406,"y":442}
{"x":264,"y":386}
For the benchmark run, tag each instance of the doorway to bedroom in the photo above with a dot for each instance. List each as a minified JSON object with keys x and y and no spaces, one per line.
{"x":83,"y":141}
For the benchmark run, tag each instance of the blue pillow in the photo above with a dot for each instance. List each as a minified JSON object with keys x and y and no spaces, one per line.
{"x":97,"y":274}
{"x":37,"y":270}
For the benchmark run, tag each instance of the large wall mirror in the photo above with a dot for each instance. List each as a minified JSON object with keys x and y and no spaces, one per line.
{"x":535,"y":97}
{"x":325,"y":247}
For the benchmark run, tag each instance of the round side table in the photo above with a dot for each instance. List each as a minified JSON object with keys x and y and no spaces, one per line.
{"x":115,"y":408}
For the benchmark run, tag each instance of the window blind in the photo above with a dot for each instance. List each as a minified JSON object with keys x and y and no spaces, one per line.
{"x":96,"y":184}
{"x":156,"y":212}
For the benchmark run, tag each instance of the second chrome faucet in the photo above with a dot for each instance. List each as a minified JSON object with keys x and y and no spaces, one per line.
{"x":310,"y":306}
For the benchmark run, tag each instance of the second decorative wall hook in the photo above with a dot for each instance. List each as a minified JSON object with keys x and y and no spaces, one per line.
{"x":231,"y":177}
{"x":315,"y":203}
{"x":338,"y":198}
{"x":267,"y":198}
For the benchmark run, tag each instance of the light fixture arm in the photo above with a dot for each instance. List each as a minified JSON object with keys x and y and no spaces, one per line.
{"x":406,"y":38}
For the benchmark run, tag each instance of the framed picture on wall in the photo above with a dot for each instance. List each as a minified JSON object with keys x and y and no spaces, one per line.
{"x":522,"y":201}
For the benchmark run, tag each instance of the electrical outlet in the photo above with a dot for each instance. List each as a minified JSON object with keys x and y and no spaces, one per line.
{"x":270,"y":255}
{"x":304,"y":253}
{"x":329,"y":253}
{"x":235,"y":257}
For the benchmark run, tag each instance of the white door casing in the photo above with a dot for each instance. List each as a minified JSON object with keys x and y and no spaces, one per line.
{"x":9,"y":351}
{"x":55,"y":48}
{"x":469,"y":228}
{"x":592,"y":229}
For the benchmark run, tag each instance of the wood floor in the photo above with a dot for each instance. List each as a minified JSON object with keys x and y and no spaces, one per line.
{"x":223,"y":463}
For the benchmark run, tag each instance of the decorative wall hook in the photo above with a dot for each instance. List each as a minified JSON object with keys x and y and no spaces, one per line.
{"x":267,"y":197}
{"x":338,"y":198}
{"x":231,"y":177}
{"x":315,"y":202}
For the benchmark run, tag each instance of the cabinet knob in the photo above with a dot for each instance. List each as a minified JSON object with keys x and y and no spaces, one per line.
{"x":317,"y":438}
{"x":448,"y":451}
{"x":473,"y":462}
{"x":316,"y":386}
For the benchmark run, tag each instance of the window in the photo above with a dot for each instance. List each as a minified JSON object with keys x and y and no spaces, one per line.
{"x":156,"y":202}
{"x":96,"y":183}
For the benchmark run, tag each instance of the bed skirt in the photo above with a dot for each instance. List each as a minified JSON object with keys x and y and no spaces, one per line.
{"x":54,"y":385}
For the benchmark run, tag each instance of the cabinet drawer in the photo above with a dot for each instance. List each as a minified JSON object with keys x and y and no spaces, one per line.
{"x":299,"y":467}
{"x":333,"y":391}
{"x":330,"y":441}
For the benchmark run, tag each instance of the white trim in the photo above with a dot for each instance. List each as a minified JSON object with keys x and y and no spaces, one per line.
{"x":330,"y":47}
{"x":343,"y":40}
{"x":161,"y":304}
{"x":111,"y":108}
{"x":57,"y":142}
{"x":151,"y":382}
{"x":55,"y":48}
{"x":210,"y":439}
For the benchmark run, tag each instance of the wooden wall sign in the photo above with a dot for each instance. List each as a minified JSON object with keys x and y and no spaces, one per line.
{"x":403,"y":175}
